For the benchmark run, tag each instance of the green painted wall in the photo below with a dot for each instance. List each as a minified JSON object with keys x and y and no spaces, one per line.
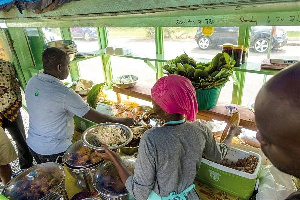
{"x":203,"y":13}
{"x":22,"y":49}
{"x":37,"y":44}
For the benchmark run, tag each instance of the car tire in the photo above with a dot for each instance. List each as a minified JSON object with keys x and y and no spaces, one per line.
{"x":261,"y":45}
{"x":204,"y":43}
{"x":87,"y":36}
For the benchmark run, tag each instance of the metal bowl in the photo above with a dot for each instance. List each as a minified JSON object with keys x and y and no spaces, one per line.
{"x":108,"y":182}
{"x":132,"y":147}
{"x":126,"y":81}
{"x":79,"y":170}
{"x":89,"y":136}
{"x":129,"y":150}
{"x":43,"y":181}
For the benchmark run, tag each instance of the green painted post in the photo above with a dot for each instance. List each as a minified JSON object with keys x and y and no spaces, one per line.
{"x":150,"y":65}
{"x":22,"y":49}
{"x":74,"y":71}
{"x":37,"y":44}
{"x":265,"y":79}
{"x":66,"y":34}
{"x":270,"y":43}
{"x":103,"y":42}
{"x":159,"y":44}
{"x":238,"y":87}
{"x":239,"y":77}
{"x":247,"y":41}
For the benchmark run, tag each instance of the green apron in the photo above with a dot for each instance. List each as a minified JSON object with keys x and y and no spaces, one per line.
{"x":172,"y":196}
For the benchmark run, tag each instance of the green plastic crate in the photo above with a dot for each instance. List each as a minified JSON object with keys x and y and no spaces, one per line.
{"x":238,"y":183}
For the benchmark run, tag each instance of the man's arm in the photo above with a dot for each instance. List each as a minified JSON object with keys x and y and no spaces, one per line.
{"x":97,"y":117}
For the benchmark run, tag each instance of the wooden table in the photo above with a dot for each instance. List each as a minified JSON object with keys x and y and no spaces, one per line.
{"x":140,"y":91}
{"x":143,"y":91}
{"x":219,"y":112}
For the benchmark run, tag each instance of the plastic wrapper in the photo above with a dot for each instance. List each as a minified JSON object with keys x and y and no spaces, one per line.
{"x":274,"y":184}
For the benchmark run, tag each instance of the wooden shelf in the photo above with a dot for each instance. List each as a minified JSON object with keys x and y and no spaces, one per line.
{"x":140,"y":91}
{"x":143,"y":91}
{"x":256,"y":69}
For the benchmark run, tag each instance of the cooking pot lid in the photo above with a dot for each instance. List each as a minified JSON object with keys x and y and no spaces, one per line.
{"x":35,"y":182}
{"x":107,"y":180}
{"x":80,"y":156}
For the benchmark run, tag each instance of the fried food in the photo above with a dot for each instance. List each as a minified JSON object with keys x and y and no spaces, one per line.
{"x":247,"y":164}
{"x":37,"y":184}
{"x":83,"y":156}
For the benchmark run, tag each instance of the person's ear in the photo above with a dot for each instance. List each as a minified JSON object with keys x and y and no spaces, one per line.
{"x":260,"y":138}
{"x":58,"y":67}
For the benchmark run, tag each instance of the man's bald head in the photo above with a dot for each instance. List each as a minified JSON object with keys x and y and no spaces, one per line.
{"x":277,"y":114}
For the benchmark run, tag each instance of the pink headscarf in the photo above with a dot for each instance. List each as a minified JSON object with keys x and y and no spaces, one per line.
{"x":176,"y":95}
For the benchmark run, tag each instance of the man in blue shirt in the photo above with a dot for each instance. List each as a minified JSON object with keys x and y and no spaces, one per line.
{"x":51,"y":107}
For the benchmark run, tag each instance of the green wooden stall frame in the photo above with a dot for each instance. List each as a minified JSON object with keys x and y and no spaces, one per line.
{"x":157,"y":14}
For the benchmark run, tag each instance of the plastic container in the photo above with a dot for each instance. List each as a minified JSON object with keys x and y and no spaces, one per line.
{"x":207,"y":99}
{"x":238,"y":183}
{"x":237,"y":54}
{"x":228,"y":48}
{"x":244,"y":55}
{"x":108,"y":182}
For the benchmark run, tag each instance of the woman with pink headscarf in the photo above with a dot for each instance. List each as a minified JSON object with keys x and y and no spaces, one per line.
{"x":169,"y":156}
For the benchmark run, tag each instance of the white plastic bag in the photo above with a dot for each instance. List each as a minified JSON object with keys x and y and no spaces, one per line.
{"x":274,"y":184}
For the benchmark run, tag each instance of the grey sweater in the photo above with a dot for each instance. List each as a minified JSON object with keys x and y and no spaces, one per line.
{"x":168,"y":159}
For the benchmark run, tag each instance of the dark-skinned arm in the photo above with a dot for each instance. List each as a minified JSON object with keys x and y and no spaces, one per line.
{"x":98,"y":117}
{"x":112,"y":156}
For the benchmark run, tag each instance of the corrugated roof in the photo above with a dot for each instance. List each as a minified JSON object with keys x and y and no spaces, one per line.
{"x":36,"y":5}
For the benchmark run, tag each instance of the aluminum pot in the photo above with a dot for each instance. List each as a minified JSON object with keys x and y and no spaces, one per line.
{"x":108,"y":182}
{"x":44,"y":181}
{"x":81,"y":161}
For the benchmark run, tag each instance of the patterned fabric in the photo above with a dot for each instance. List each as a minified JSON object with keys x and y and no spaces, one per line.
{"x":10,"y":93}
{"x":223,"y":149}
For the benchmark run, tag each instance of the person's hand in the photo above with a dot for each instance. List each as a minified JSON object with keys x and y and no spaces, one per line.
{"x":235,"y":130}
{"x":108,"y":155}
{"x":126,"y":121}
